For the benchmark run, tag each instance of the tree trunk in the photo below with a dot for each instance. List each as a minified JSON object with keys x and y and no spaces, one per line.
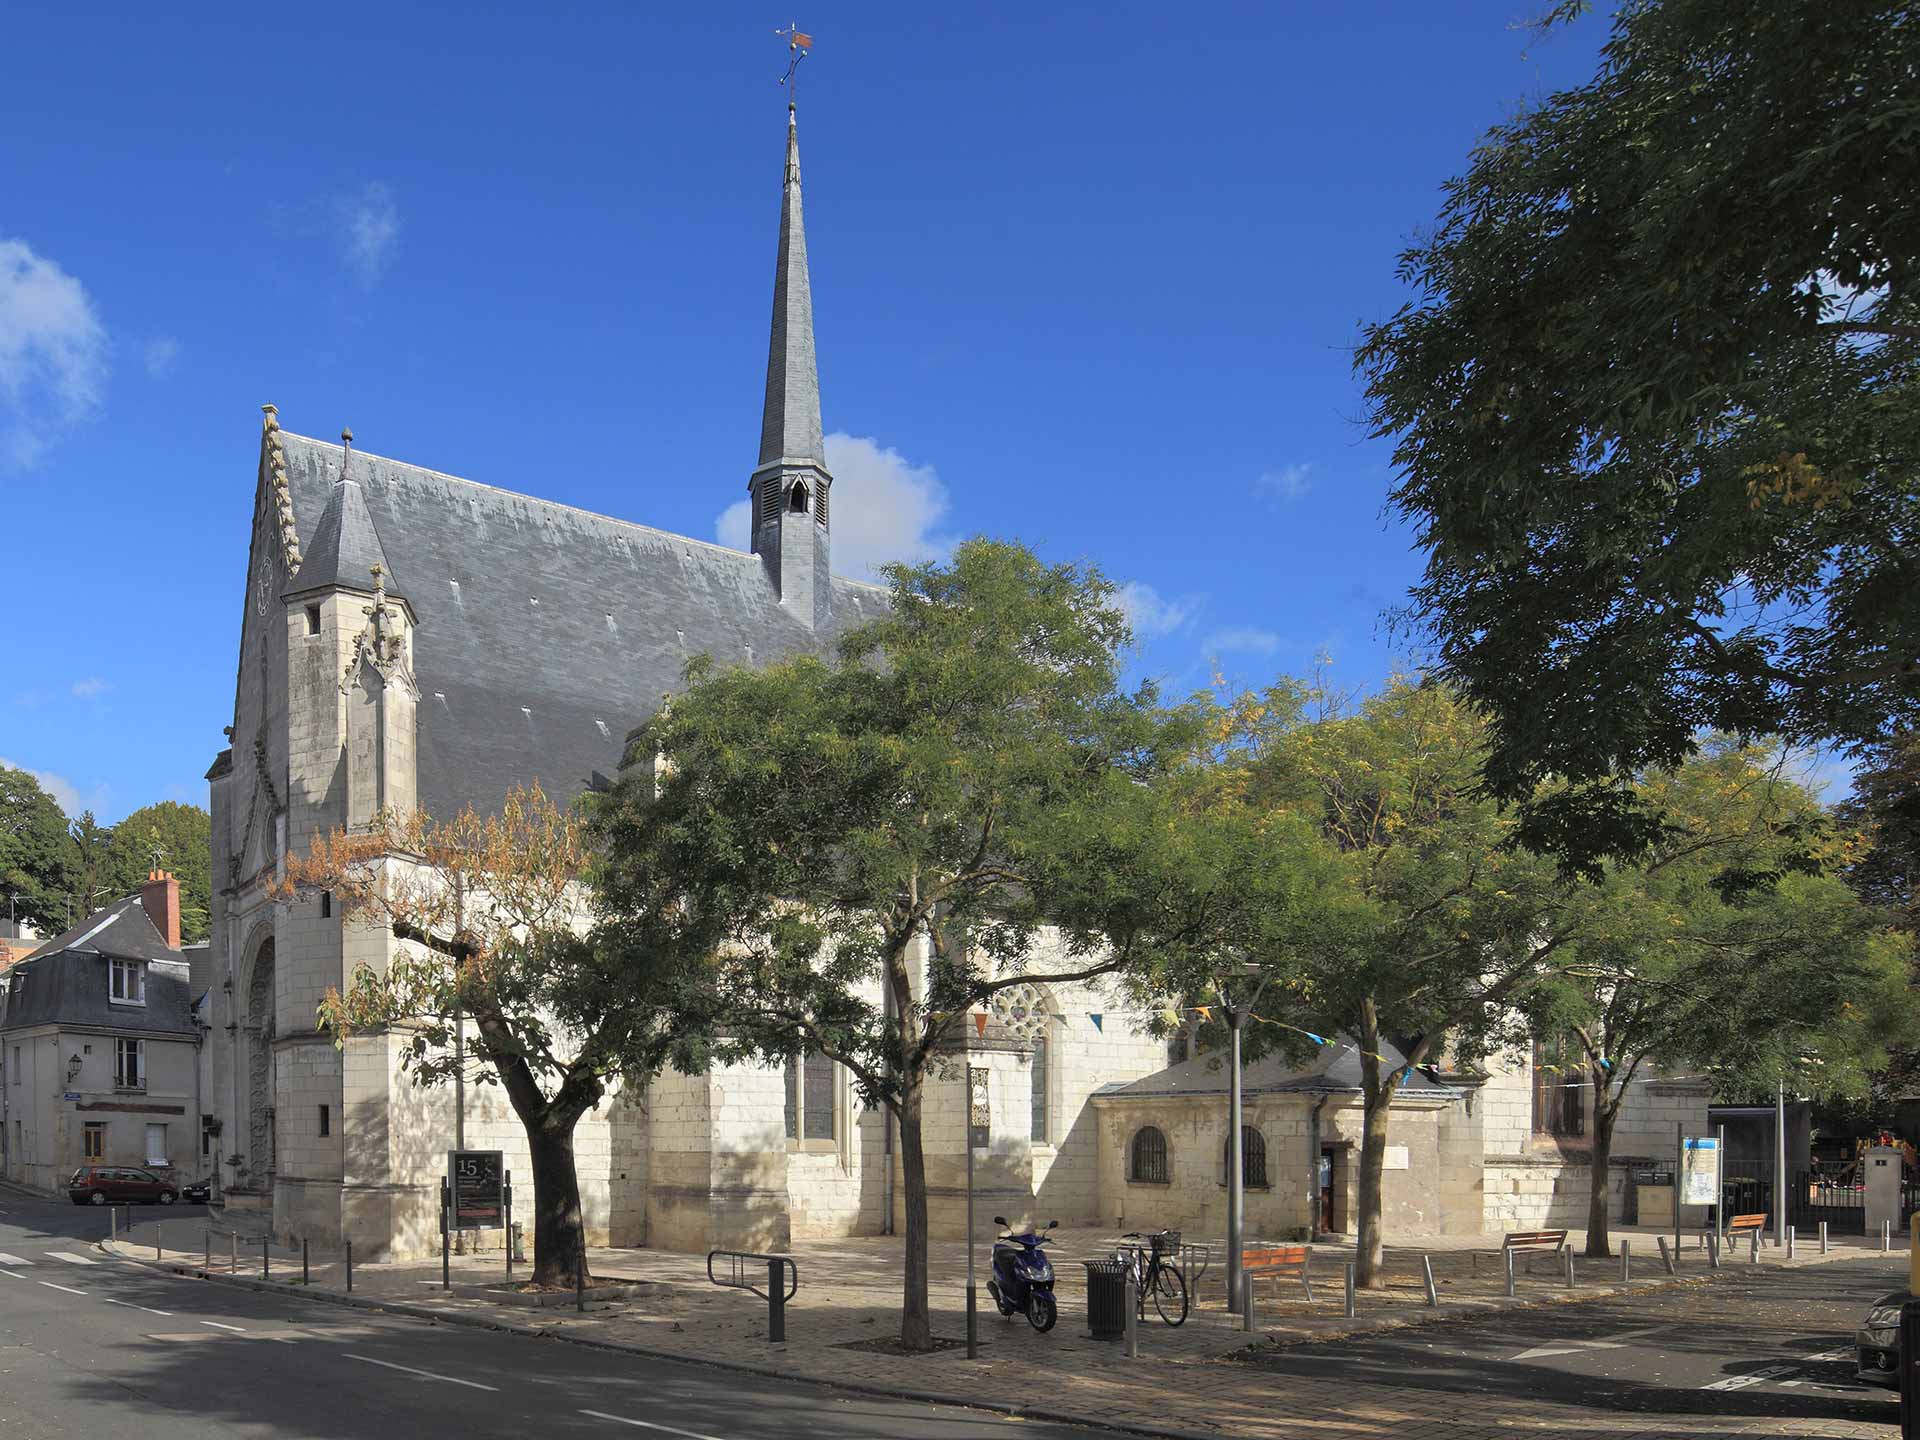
{"x":559,"y":1235}
{"x":1604,"y":1114}
{"x":1376,"y":1094}
{"x":1370,"y":1242}
{"x":916,"y":1325}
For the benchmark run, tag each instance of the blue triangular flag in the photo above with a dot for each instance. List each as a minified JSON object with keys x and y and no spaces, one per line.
{"x":1096,"y":1022}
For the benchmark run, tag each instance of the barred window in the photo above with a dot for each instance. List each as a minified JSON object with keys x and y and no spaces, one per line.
{"x":1253,"y":1158}
{"x":1148,"y":1163}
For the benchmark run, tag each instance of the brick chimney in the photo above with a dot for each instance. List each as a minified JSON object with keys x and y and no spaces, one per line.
{"x":160,"y":898}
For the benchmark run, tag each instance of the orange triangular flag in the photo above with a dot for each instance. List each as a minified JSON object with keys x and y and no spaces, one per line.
{"x":980,"y":1024}
{"x":1205,"y":1011}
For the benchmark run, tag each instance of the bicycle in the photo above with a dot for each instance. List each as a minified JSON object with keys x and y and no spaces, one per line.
{"x":1154,"y":1275}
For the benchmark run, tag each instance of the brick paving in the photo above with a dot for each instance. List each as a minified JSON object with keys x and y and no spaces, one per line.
{"x":1192,"y":1380}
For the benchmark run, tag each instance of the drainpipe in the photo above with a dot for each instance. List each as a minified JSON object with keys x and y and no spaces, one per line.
{"x":1313,"y":1167}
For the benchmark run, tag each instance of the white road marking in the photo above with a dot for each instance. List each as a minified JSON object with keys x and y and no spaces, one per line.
{"x":1740,"y":1382}
{"x":11,"y":1276}
{"x":71,"y":1259}
{"x":51,"y":1286}
{"x":6,"y":1259}
{"x":131,"y":1306}
{"x":425,"y":1374}
{"x":648,"y":1425}
{"x":218,"y":1326}
{"x":1825,"y":1355}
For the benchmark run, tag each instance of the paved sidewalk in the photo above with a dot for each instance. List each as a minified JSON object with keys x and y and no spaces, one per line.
{"x":1189,"y":1380}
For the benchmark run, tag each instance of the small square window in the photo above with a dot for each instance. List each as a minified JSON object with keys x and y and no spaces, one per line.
{"x":313,"y":619}
{"x":326,"y":1120}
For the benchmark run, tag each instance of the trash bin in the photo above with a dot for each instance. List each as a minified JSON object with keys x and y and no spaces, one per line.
{"x":1106,"y":1298}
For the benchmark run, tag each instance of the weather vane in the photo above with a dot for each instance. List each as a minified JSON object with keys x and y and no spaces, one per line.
{"x":798,"y":44}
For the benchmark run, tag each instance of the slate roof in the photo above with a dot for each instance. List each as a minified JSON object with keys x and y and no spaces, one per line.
{"x":1336,"y":1070}
{"x":66,"y":981}
{"x":545,"y":633}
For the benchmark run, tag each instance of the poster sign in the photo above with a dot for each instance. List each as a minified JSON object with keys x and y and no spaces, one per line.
{"x":1700,"y":1170}
{"x":979,"y":1109}
{"x":478,"y":1178}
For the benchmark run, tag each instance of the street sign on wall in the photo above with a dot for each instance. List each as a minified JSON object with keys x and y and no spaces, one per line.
{"x":478,"y":1178}
{"x":1700,"y":1170}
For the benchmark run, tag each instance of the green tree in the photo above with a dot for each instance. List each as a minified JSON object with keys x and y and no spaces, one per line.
{"x":176,"y":838}
{"x":1458,"y":922}
{"x":1885,"y":804}
{"x":878,"y":843}
{"x":36,"y":857}
{"x":1655,"y":409}
{"x":90,"y":866}
{"x":1733,"y":947}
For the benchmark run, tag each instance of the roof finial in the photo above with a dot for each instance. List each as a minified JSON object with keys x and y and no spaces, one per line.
{"x":798,"y":45}
{"x":346,"y":452}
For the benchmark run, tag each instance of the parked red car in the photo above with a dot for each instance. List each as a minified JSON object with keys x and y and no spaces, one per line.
{"x":113,"y":1184}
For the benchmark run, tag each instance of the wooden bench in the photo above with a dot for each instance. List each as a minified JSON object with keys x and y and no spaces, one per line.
{"x":1279,"y":1262}
{"x":1745,"y":1226}
{"x":1532,"y":1242}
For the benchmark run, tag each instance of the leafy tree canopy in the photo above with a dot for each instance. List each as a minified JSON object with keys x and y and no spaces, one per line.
{"x":1655,"y":403}
{"x":177,"y":838}
{"x":36,"y":857}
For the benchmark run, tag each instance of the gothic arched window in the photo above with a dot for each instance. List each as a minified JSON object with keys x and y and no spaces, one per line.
{"x":1147,"y":1157}
{"x":797,"y":500}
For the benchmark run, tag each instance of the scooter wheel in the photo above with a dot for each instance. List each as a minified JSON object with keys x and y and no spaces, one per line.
{"x":1041,"y":1311}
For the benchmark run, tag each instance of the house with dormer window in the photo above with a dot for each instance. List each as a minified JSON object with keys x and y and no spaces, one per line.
{"x":99,"y":1051}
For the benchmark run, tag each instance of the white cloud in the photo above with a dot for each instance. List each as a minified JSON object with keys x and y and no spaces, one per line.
{"x":162,"y":353}
{"x":1287,"y":483}
{"x":1149,"y":615}
{"x":1246,"y":638}
{"x":91,"y":688}
{"x":883,"y":508}
{"x":67,"y":795}
{"x":53,"y":352}
{"x":372,"y":225}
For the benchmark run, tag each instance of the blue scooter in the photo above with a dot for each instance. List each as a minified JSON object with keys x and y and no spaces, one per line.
{"x":1023,"y":1276}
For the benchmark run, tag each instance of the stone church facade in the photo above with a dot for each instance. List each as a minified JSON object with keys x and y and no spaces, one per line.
{"x":414,"y":640}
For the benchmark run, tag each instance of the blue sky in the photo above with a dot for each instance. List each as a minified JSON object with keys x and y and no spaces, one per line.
{"x":1087,"y":276}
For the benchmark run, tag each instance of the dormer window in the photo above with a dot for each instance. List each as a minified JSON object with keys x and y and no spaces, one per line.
{"x":129,"y":982}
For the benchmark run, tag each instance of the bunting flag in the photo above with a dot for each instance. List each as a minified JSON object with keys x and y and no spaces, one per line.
{"x":979,"y":1023}
{"x":1205,"y":1012}
{"x":1097,"y":1016}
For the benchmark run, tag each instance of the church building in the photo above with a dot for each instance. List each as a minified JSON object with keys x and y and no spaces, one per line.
{"x":415,"y":640}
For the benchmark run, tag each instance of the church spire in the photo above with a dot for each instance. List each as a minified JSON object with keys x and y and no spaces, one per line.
{"x":790,"y":419}
{"x":791,"y":483}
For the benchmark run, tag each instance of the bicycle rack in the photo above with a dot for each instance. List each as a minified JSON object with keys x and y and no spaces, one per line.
{"x":742,"y":1270}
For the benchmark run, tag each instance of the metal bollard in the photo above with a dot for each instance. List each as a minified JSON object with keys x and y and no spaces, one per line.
{"x":1426,"y":1273}
{"x":113,"y":1224}
{"x":265,"y":1264}
{"x":1886,"y":1235}
{"x":1248,"y":1321}
{"x":349,"y":1267}
{"x":580,"y":1285}
{"x":1350,"y":1307}
{"x":1713,"y":1251}
{"x":1131,"y":1330}
{"x":1823,"y":1237}
{"x":1753,"y":1249}
{"x":1666,"y":1255}
{"x":233,"y":1246}
{"x":1509,"y":1255}
{"x":1791,"y":1237}
{"x":776,"y":1302}
{"x":306,"y":1275}
{"x":206,"y":1248}
{"x":1626,"y":1262}
{"x":1567,"y":1257}
{"x":159,"y":1233}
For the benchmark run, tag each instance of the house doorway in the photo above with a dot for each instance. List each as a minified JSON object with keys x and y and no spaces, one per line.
{"x":1331,"y":1190}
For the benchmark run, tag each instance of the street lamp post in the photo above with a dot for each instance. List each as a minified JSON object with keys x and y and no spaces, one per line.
{"x":1236,"y":1159}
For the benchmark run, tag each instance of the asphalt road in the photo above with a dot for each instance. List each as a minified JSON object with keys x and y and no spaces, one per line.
{"x":91,"y":1346}
{"x":1772,"y":1347}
